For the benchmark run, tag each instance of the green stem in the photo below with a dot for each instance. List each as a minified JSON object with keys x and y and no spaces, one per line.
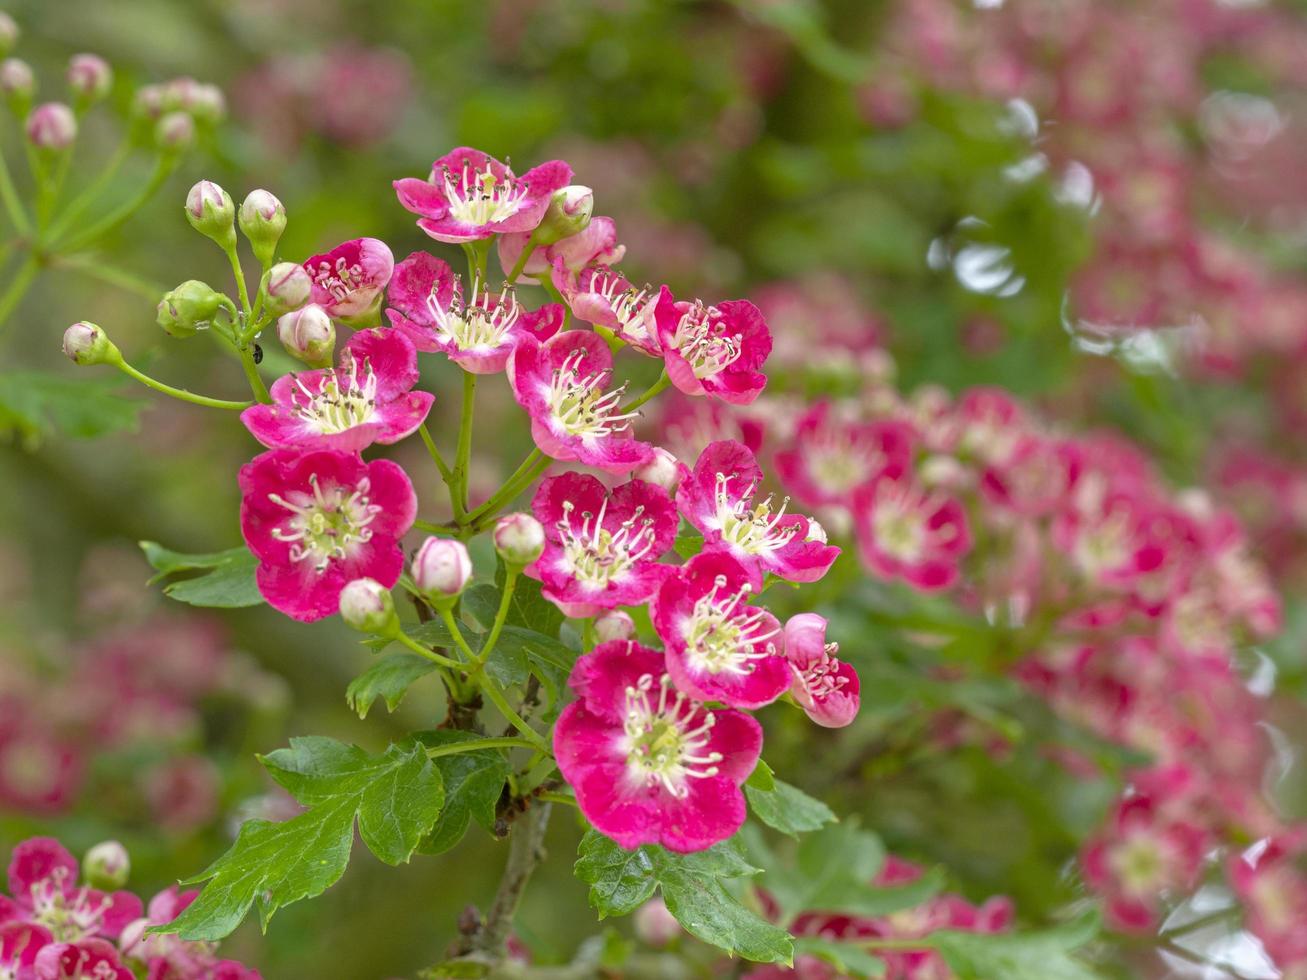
{"x":588,"y":634}
{"x":521,"y":261}
{"x":18,"y":287}
{"x":501,"y":616}
{"x":241,"y":289}
{"x":48,"y":196}
{"x":557,"y":798}
{"x":445,"y":473}
{"x":557,"y":297}
{"x":252,"y":375}
{"x":11,"y":200}
{"x":179,"y":393}
{"x":91,"y":266}
{"x":510,"y":489}
{"x":162,"y":169}
{"x":464,"y":453}
{"x":83,"y":200}
{"x":431,"y":527}
{"x":431,"y":655}
{"x":477,"y":745}
{"x":451,"y":624}
{"x":653,"y":390}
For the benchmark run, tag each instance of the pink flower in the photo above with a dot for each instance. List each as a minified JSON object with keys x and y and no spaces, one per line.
{"x":720,"y":499}
{"x":168,"y":956}
{"x":1270,"y":879}
{"x":719,"y":648}
{"x":601,"y":548}
{"x":830,"y":458}
{"x":348,"y":281}
{"x":20,"y":942}
{"x":825,"y":687}
{"x":596,"y":245}
{"x":43,"y":883}
{"x":561,"y":385}
{"x":86,"y":959}
{"x":478,"y":333}
{"x":648,"y":764}
{"x":367,"y":399}
{"x":607,"y":299}
{"x":906,"y":531}
{"x":319,"y":520}
{"x":470,"y":196}
{"x":713,"y":350}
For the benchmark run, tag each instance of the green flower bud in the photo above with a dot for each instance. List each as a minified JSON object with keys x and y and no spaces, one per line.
{"x":367,"y":606}
{"x":569,"y":213}
{"x":211,"y":212}
{"x":262,"y":220}
{"x":188,"y":308}
{"x":8,"y":34}
{"x":17,"y":85}
{"x":85,"y":343}
{"x":107,"y":866}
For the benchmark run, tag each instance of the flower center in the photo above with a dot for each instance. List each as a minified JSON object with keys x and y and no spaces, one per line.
{"x":580,"y":405}
{"x":702,"y":340}
{"x":346,"y":397}
{"x":477,"y":324}
{"x":898,"y":523}
{"x":1105,"y":545}
{"x":841,"y":460}
{"x":598,"y":556}
{"x":821,"y":678}
{"x":478,"y":197}
{"x":632,"y":307}
{"x":69,"y":914}
{"x":724,"y":636}
{"x":753,"y":530}
{"x":326,"y":524}
{"x":1139,"y":865}
{"x":665,"y":742}
{"x":340,"y":279}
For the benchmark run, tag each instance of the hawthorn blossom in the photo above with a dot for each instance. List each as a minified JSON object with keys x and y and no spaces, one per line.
{"x":477,"y":332}
{"x":908,"y":532}
{"x":601,"y":548}
{"x":594,"y":245}
{"x":648,"y":764}
{"x":1270,"y":878}
{"x":348,"y":281}
{"x":20,"y":942}
{"x":316,"y":521}
{"x":44,"y":890}
{"x":825,"y":687}
{"x":713,"y":350}
{"x":167,"y":955}
{"x":367,"y":398}
{"x":470,"y":196}
{"x":720,"y":498}
{"x":86,"y":959}
{"x":606,"y":298}
{"x":720,"y":648}
{"x":831,"y":458}
{"x":561,"y":385}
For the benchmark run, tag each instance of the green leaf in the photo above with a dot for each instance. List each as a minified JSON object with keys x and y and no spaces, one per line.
{"x":389,"y":678}
{"x":787,"y":809}
{"x":1019,"y":956}
{"x":688,"y":545}
{"x":394,"y":797}
{"x":37,"y":405}
{"x":832,"y":873}
{"x":763,"y":777}
{"x":529,"y":608}
{"x":227,"y":583}
{"x":473,"y":782}
{"x":692,"y":886}
{"x":431,"y":634}
{"x":848,"y":958}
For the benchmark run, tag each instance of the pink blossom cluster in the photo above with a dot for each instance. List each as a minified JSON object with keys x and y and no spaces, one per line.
{"x":52,"y":928}
{"x":945,"y":911}
{"x":134,"y":692}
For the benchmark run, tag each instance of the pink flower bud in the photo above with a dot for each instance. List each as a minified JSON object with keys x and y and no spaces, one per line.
{"x":519,"y":539}
{"x":52,"y":126}
{"x":85,"y":343}
{"x":308,"y":335}
{"x":16,"y":79}
{"x":367,"y":606}
{"x":107,"y":866}
{"x":568,"y":214}
{"x":655,"y":925}
{"x":614,"y":625}
{"x":262,"y":220}
{"x":289,"y":287}
{"x":174,"y":132}
{"x":89,"y":78}
{"x":148,"y":102}
{"x":442,"y":568}
{"x":212,"y":213}
{"x":662,"y":471}
{"x":8,"y":33}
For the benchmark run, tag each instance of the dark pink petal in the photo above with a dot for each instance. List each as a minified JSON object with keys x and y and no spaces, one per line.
{"x":20,"y":942}
{"x":89,"y":958}
{"x":713,"y":811}
{"x":420,"y":197}
{"x":41,"y":859}
{"x":600,"y":678}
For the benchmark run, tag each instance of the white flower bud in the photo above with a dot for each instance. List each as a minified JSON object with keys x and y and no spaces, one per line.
{"x":85,"y":343}
{"x":89,"y":78}
{"x":663,"y":470}
{"x":367,"y":606}
{"x":519,"y":539}
{"x":107,"y":866}
{"x":614,"y":625}
{"x":52,"y":126}
{"x":262,"y":220}
{"x":212,"y":213}
{"x":308,"y":335}
{"x":289,"y":287}
{"x":441,"y":569}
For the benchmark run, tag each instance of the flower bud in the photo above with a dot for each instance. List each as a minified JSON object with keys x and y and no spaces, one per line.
{"x":89,"y":78}
{"x":614,"y":625}
{"x":148,"y":102}
{"x":569,"y":213}
{"x":655,"y":925}
{"x":211,"y":212}
{"x":107,"y":866}
{"x":174,"y":132}
{"x":52,"y":126}
{"x":367,"y":606}
{"x":207,"y":104}
{"x":85,"y":343}
{"x":308,"y":335}
{"x":289,"y":287}
{"x":188,"y":308}
{"x":17,"y":84}
{"x":519,"y":539}
{"x":8,"y":34}
{"x":262,"y":219}
{"x":441,"y":569}
{"x":662,"y":471}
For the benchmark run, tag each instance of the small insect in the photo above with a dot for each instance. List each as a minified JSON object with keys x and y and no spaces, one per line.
{"x":258,"y":354}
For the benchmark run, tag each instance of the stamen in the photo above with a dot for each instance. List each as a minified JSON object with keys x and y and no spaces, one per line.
{"x":326,"y":525}
{"x":478,"y":197}
{"x":755,"y":531}
{"x":725,"y":636}
{"x":664,"y":747}
{"x":702,"y":340}
{"x":346,"y":397}
{"x":580,"y":405}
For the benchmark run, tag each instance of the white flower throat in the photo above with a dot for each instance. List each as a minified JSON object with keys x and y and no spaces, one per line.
{"x":345,"y":397}
{"x":339,"y":279}
{"x":752,"y":528}
{"x":703,"y":339}
{"x":478,"y":197}
{"x":723,"y":635}
{"x":479,"y":324}
{"x":599,"y":556}
{"x":579,"y":403}
{"x":326,"y":524}
{"x":665,"y":740}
